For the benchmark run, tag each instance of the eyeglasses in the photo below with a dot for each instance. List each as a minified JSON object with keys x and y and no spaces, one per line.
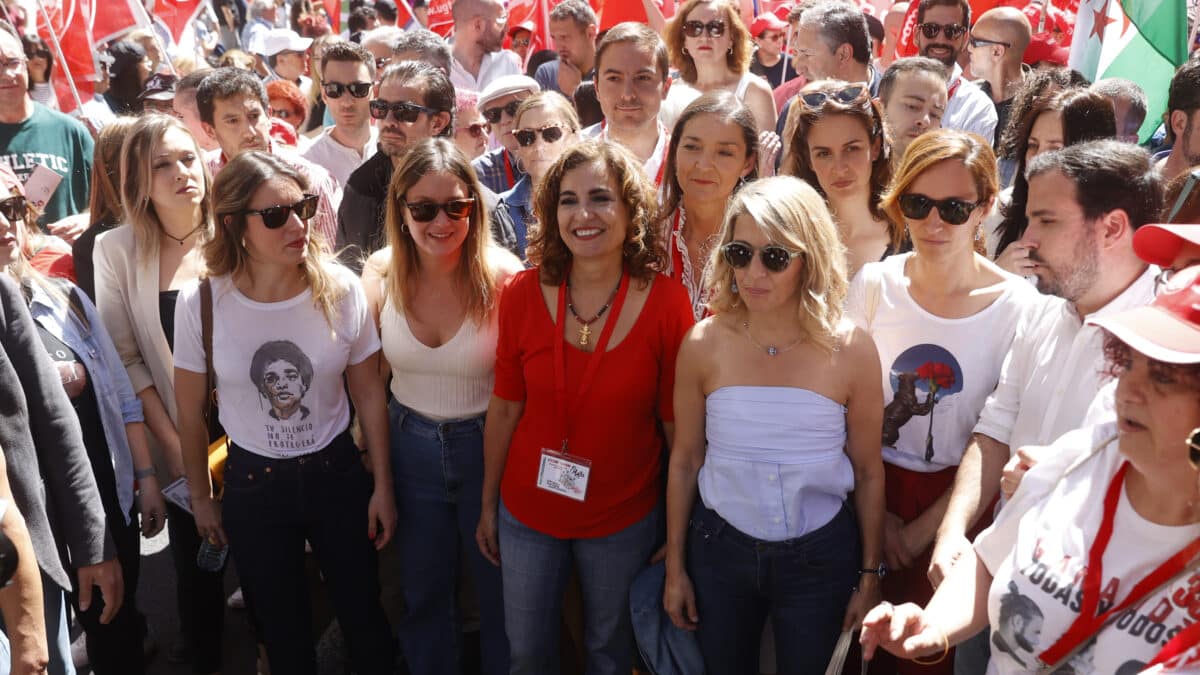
{"x":978,"y":42}
{"x":455,"y":209}
{"x":356,"y":89}
{"x":1184,"y":194}
{"x":492,"y":114}
{"x":11,"y":64}
{"x":715,"y":28}
{"x":13,"y":208}
{"x":381,"y":63}
{"x":523,"y":42}
{"x":550,"y":134}
{"x":275,"y":217}
{"x":403,"y":111}
{"x":1161,"y":280}
{"x":1193,"y":442}
{"x":40,"y":54}
{"x":846,"y":96}
{"x":953,"y":211}
{"x":953,"y":31}
{"x":774,"y":257}
{"x":282,"y":113}
{"x":477,"y":130}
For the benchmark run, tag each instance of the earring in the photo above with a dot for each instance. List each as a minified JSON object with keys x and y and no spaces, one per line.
{"x":730,"y":50}
{"x":685,"y":51}
{"x":518,"y":164}
{"x":404,"y":228}
{"x":733,"y":287}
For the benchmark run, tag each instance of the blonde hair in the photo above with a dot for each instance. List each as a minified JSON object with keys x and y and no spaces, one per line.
{"x":556,"y":103}
{"x":477,"y":277}
{"x":737,"y":61}
{"x":791,"y":214}
{"x":137,"y":174}
{"x":226,"y":254}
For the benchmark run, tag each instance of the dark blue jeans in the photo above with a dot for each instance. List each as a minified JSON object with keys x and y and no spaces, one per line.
{"x":802,"y":584}
{"x":438,"y":472}
{"x":271,"y":506}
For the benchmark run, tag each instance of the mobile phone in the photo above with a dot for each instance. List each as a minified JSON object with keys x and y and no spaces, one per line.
{"x":40,"y":186}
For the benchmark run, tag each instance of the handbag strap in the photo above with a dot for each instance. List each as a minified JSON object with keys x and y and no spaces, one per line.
{"x":206,"y":335}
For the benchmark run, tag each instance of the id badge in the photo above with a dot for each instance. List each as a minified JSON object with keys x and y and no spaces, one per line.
{"x":564,"y":474}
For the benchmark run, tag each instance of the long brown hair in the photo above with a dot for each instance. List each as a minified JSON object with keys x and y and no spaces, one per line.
{"x":104,"y":204}
{"x":737,"y":60}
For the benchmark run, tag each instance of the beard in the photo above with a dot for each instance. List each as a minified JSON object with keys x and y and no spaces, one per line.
{"x":1070,"y":283}
{"x":948,"y":60}
{"x":491,"y":41}
{"x":1185,"y":143}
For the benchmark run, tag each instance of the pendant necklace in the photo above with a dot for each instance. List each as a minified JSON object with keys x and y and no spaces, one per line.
{"x":184,"y":237}
{"x":771,"y":350}
{"x":585,"y":325}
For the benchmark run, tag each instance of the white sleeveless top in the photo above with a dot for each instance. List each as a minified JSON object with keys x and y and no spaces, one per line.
{"x":453,"y":381}
{"x":681,"y":94}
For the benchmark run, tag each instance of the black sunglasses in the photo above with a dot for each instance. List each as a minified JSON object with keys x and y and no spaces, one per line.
{"x":715,"y":28}
{"x":492,"y":115}
{"x":455,"y":209}
{"x":477,"y":130}
{"x":1193,"y":442}
{"x":401,"y":110}
{"x":953,"y":211}
{"x":275,"y":217}
{"x":845,"y":96}
{"x":523,"y":42}
{"x":978,"y":42}
{"x":952,"y":30}
{"x":13,"y":208}
{"x":526,"y":137}
{"x":356,"y":89}
{"x":774,"y":257}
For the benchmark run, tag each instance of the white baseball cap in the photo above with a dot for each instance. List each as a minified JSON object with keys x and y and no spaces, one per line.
{"x":283,"y":40}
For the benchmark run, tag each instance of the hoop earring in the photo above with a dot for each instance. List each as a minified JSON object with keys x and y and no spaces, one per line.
{"x":684,"y":49}
{"x":517,"y":162}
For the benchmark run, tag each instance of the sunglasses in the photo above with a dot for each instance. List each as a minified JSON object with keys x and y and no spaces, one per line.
{"x":845,"y":96}
{"x":381,"y":63}
{"x":455,"y":209}
{"x":492,"y":115}
{"x":356,"y":89}
{"x":275,"y":217}
{"x":953,"y":31}
{"x":520,"y":43}
{"x":526,"y":137}
{"x":1193,"y":442}
{"x":953,"y":211}
{"x":13,"y":208}
{"x":715,"y":28}
{"x":477,"y":130}
{"x":401,"y":110}
{"x":978,"y":42}
{"x":774,"y":257}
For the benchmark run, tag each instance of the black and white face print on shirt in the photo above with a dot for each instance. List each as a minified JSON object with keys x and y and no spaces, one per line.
{"x":922,"y":377}
{"x":1019,"y":630}
{"x":283,"y":374}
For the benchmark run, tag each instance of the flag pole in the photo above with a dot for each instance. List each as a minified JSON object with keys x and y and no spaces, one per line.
{"x":787,"y":57}
{"x":145,"y":16}
{"x":62,"y":59}
{"x":408,"y":8}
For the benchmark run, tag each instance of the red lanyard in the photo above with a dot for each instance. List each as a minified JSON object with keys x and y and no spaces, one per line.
{"x":1184,"y":640}
{"x":508,"y":174}
{"x":953,"y":88}
{"x":593,"y":364}
{"x":1088,"y":623}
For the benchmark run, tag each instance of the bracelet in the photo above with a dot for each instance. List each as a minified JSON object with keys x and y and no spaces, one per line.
{"x":945,"y":653}
{"x":145,"y":473}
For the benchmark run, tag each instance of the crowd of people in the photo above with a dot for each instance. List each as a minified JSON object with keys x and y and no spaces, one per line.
{"x":890,"y":365}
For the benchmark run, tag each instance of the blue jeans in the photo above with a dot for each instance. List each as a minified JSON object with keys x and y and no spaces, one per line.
{"x":802,"y":584}
{"x":535,"y":568}
{"x":271,"y":506}
{"x":438,"y":473}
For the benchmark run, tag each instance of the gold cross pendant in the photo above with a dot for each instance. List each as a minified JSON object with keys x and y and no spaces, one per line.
{"x":585,"y":332}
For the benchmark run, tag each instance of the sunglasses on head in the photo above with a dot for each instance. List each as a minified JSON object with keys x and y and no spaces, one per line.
{"x":952,"y":30}
{"x":477,"y":130}
{"x":492,"y":115}
{"x":1193,"y":442}
{"x":455,"y":209}
{"x":774,"y":257}
{"x":275,"y":217}
{"x":953,"y":211}
{"x":401,"y":110}
{"x":526,"y":137}
{"x":13,"y":208}
{"x":815,"y":99}
{"x":356,"y":89}
{"x":715,"y":28}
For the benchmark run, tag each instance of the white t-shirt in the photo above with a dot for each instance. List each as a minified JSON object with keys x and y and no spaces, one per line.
{"x":937,"y":372}
{"x":1037,"y":552}
{"x":279,"y":365}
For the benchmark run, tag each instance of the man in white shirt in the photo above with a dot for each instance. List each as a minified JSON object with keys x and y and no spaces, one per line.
{"x":287,"y":57}
{"x":347,"y":71}
{"x":262,"y":19}
{"x":631,"y":83}
{"x":942,"y":29}
{"x":478,"y":35}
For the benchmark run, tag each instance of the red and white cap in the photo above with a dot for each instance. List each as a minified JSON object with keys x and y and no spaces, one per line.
{"x":765,"y":22}
{"x":1158,"y":244}
{"x":1167,"y":329}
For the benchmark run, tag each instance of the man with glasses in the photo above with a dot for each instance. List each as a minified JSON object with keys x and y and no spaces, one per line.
{"x":347,"y":71}
{"x":478,"y":35}
{"x":942,"y":29}
{"x":233,"y":112}
{"x":769,"y":61}
{"x":997,"y":47}
{"x":573,"y":30}
{"x":497,"y":169}
{"x":414,"y":101}
{"x":381,"y":43}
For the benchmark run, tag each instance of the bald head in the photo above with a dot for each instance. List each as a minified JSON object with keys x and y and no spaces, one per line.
{"x":1006,"y":24}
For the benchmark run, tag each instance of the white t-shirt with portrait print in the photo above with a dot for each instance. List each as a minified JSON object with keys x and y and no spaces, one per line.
{"x":279,"y":365}
{"x":1037,"y":552}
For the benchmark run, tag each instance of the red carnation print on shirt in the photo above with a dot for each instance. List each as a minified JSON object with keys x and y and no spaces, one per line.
{"x":922,"y":376}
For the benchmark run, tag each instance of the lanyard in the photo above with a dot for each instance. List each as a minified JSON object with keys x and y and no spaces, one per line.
{"x":508,"y":174}
{"x":1088,"y":623}
{"x":662,"y":160}
{"x":953,"y":88}
{"x":593,"y":363}
{"x":676,"y":256}
{"x":1184,"y":640}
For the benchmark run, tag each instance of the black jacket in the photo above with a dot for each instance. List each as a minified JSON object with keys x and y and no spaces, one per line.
{"x":360,"y":217}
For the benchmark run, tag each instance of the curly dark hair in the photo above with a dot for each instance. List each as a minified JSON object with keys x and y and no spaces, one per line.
{"x":644,"y":251}
{"x":1042,"y":82}
{"x":1117,"y":356}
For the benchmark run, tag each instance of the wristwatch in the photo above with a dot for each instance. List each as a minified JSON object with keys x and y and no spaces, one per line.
{"x":882,"y":570}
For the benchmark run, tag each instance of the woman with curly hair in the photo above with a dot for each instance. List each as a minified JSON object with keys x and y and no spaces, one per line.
{"x":572,"y":457}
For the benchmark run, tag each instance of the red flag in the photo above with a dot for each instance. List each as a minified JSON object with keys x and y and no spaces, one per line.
{"x":441,"y":21}
{"x":333,"y":10}
{"x":613,"y":12}
{"x":178,"y":15}
{"x":79,"y":26}
{"x":404,"y":14}
{"x":537,"y":13}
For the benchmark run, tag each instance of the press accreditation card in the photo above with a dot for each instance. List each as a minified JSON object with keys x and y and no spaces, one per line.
{"x":564,"y":474}
{"x":40,"y":185}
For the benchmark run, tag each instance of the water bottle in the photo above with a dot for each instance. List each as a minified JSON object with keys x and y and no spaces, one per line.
{"x":210,"y":557}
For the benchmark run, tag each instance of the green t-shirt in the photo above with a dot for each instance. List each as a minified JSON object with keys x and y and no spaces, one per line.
{"x":62,"y":144}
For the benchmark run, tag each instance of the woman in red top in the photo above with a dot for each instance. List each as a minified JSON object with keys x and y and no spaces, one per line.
{"x":576,"y":455}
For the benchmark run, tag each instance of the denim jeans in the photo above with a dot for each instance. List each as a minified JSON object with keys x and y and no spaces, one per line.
{"x":665,"y":649}
{"x":802,"y":584}
{"x":535,"y":568}
{"x":271,"y":506}
{"x":438,"y":474}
